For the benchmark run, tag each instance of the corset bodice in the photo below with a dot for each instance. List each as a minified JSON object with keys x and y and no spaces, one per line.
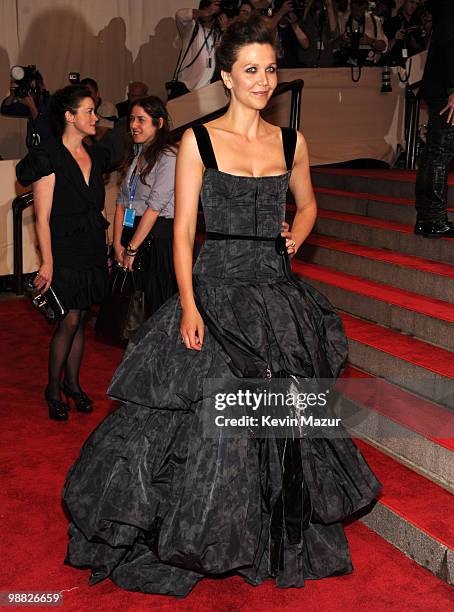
{"x":241,"y":206}
{"x":245,"y":206}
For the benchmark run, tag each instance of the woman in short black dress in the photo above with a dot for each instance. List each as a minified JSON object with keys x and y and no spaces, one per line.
{"x":143,"y":226}
{"x":68,"y":192}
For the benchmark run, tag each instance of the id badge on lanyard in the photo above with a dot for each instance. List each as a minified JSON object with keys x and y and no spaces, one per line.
{"x":130,"y":213}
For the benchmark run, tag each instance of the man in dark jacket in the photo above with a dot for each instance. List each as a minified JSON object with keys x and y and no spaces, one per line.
{"x":438,"y":91}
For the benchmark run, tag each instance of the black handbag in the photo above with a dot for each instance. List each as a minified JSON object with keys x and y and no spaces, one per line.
{"x":47,"y":303}
{"x":123,"y":312}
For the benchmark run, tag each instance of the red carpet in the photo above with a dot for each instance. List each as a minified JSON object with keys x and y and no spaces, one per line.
{"x":36,"y":454}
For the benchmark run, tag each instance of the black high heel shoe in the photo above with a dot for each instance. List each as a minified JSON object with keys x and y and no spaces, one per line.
{"x":58,"y":410}
{"x":81,"y":400}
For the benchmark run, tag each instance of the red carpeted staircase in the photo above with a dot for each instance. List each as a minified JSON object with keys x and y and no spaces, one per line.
{"x":395,"y":293}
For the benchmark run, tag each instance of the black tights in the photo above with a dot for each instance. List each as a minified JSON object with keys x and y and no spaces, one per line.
{"x":65,"y":352}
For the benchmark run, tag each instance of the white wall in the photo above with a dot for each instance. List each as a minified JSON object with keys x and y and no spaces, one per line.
{"x":113,"y":41}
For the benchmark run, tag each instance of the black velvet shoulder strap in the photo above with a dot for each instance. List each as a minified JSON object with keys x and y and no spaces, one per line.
{"x":205,"y":147}
{"x":289,"y":142}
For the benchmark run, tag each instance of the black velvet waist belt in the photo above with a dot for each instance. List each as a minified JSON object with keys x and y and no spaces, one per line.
{"x":279,"y":241}
{"x":219,"y":236}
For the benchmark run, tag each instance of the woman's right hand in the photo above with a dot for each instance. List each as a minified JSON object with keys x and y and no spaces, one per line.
{"x":44,"y":277}
{"x":192,"y":329}
{"x":119,"y":254}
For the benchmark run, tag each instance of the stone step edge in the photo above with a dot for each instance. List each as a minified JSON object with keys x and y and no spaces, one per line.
{"x":387,"y":472}
{"x":428,"y":266}
{"x":363,"y":220}
{"x":364,"y":195}
{"x":401,"y":298}
{"x":421,"y":408}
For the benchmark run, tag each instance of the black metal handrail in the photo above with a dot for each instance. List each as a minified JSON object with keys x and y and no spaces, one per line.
{"x":295,"y":87}
{"x":24,"y":201}
{"x":412,"y":112}
{"x":20,"y":203}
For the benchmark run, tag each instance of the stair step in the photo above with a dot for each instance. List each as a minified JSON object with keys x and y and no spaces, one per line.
{"x":383,"y":234}
{"x":411,"y":429}
{"x":408,"y":362}
{"x":392,"y":183}
{"x":413,"y":514}
{"x":424,"y":355}
{"x":401,"y":210}
{"x":409,"y":410}
{"x":415,"y":314}
{"x":426,"y":276}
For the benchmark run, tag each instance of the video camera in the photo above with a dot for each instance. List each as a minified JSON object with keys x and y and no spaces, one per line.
{"x":28,"y":81}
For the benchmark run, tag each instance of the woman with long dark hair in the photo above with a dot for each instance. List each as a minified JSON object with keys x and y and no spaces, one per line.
{"x":164,"y":491}
{"x":68,"y":195}
{"x":143,"y":226}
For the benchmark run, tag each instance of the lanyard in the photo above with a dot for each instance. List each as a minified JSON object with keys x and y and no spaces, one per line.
{"x":132,"y":184}
{"x":206,"y":38}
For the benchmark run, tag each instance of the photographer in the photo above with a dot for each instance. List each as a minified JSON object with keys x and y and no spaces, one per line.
{"x":383,"y":9}
{"x":363,"y":41}
{"x":406,"y":33}
{"x":199,"y":29}
{"x":29,"y":100}
{"x":319,"y":24}
{"x":290,"y":37}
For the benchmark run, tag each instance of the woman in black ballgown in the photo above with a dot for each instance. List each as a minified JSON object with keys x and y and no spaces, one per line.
{"x":68,"y":195}
{"x":156,"y":505}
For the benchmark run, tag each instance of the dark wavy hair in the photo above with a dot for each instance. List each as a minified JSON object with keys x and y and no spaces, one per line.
{"x":66,"y":99}
{"x":155,"y":108}
{"x":242,"y":32}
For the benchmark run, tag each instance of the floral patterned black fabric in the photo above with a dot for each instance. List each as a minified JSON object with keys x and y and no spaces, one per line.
{"x":155,"y":504}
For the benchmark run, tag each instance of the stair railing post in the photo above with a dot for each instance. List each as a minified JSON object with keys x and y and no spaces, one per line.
{"x":20,"y":203}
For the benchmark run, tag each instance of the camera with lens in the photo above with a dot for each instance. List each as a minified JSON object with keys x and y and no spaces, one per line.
{"x":355,"y":40}
{"x":229,"y":7}
{"x":417,"y":30}
{"x":298,"y":6}
{"x":28,"y":81}
{"x":352,"y":51}
{"x":74,"y":78}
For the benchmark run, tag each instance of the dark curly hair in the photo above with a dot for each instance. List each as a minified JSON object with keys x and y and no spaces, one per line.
{"x":66,"y":99}
{"x":155,"y":108}
{"x":242,"y":32}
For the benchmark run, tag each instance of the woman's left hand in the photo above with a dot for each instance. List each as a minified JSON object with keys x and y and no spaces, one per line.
{"x":128,"y":262}
{"x":289,"y":240}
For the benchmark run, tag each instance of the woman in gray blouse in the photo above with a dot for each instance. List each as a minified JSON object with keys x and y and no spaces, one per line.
{"x":143,"y":225}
